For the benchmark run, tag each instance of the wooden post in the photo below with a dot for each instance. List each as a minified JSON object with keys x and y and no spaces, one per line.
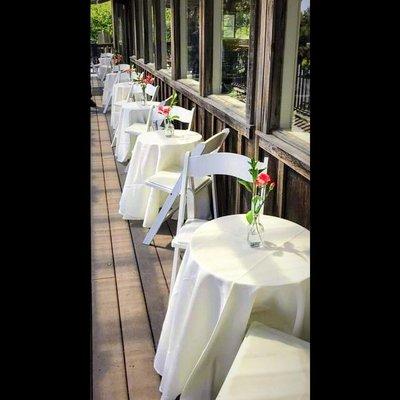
{"x":147,"y":30}
{"x":206,"y":14}
{"x":251,"y":67}
{"x":175,"y":40}
{"x":159,"y":37}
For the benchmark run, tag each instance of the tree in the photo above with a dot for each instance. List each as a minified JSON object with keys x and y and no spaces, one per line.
{"x":304,"y":38}
{"x":100,"y":20}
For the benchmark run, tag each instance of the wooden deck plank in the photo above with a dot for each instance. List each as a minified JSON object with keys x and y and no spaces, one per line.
{"x":102,"y":260}
{"x":156,"y":289}
{"x":109,"y":378}
{"x":162,"y":243}
{"x":143,"y":381}
{"x":108,"y":365}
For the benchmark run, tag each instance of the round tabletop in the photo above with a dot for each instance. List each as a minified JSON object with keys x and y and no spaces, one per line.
{"x":220,"y":247}
{"x":181,"y":137}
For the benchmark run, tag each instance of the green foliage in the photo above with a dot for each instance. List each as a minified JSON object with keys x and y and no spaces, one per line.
{"x":304,"y":38}
{"x":168,"y":20}
{"x":100,"y":20}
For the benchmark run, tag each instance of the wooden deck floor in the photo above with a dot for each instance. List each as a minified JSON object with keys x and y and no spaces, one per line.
{"x":130,"y":281}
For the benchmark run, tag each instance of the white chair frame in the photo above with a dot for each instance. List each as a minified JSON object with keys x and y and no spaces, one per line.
{"x":196,"y":166}
{"x":149,"y":121}
{"x":184,"y":115}
{"x":210,"y":146}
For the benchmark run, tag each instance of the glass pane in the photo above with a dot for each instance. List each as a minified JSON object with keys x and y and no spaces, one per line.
{"x":192,"y":17}
{"x":168,"y":19}
{"x":301,"y":112}
{"x":153,"y":35}
{"x":235,"y":47}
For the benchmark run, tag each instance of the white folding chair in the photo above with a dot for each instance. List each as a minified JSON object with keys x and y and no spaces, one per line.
{"x":274,"y":364}
{"x":197,"y":166}
{"x":158,"y":118}
{"x":169,"y":181}
{"x":183,"y":115}
{"x":138,"y":128}
{"x":134,"y":90}
{"x":151,"y":91}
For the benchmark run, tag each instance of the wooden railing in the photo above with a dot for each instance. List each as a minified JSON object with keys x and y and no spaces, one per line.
{"x":290,"y":201}
{"x":97,"y":49}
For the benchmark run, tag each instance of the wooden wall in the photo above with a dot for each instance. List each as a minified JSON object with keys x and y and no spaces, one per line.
{"x":251,"y":135}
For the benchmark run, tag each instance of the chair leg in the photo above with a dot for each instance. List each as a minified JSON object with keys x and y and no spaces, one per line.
{"x":114,"y":140}
{"x":214,"y":196}
{"x":160,"y":217}
{"x":107,"y":104}
{"x":174,"y":269}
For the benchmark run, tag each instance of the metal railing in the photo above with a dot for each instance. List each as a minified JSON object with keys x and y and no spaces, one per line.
{"x":302,"y":91}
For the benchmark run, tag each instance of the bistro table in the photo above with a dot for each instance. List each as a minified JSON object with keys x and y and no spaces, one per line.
{"x":131,"y":112}
{"x":153,"y":152}
{"x":221,"y":287}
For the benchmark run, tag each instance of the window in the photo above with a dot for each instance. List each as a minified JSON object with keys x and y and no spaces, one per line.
{"x":190,"y":39}
{"x":166,"y":34}
{"x":295,"y":103}
{"x":153,"y":34}
{"x":234,"y":34}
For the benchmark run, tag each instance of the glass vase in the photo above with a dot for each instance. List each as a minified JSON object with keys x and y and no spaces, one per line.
{"x":255,"y":232}
{"x":144,"y":100}
{"x":169,"y":129}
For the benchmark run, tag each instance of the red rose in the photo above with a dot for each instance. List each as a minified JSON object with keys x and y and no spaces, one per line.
{"x":263,"y":179}
{"x":164,"y":110}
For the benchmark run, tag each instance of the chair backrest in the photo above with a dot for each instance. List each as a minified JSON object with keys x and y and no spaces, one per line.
{"x":105,"y":61}
{"x":134,"y":89}
{"x":214,"y":143}
{"x":196,"y":166}
{"x":150,"y":118}
{"x":151,"y":91}
{"x":117,"y":78}
{"x":158,"y":118}
{"x":134,"y":75}
{"x":184,"y":115}
{"x":164,"y":102}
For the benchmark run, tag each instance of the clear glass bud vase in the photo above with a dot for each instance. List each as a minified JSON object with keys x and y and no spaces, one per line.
{"x":169,"y":129}
{"x":255,"y":232}
{"x":144,"y":100}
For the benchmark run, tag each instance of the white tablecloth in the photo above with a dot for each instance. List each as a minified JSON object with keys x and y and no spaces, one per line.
{"x":223,"y":284}
{"x":103,"y":70}
{"x":109,"y":83}
{"x":131,"y":112}
{"x":270,"y":365}
{"x":153,"y":152}
{"x":120,"y":92}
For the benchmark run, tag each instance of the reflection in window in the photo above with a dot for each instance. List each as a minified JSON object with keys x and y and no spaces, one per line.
{"x":167,"y":34}
{"x":152,"y":52}
{"x":301,"y":107}
{"x":191,"y":69}
{"x":235,"y":47}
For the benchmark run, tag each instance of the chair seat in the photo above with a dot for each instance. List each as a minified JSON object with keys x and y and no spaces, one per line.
{"x":269,"y":365}
{"x":136,"y":129}
{"x":166,"y":180}
{"x":119,"y":103}
{"x":183,"y":238}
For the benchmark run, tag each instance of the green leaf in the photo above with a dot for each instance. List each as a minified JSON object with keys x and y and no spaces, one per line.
{"x":249,"y":217}
{"x":246,"y":184}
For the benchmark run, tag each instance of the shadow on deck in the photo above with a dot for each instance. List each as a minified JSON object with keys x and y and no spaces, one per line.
{"x":130,"y":281}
